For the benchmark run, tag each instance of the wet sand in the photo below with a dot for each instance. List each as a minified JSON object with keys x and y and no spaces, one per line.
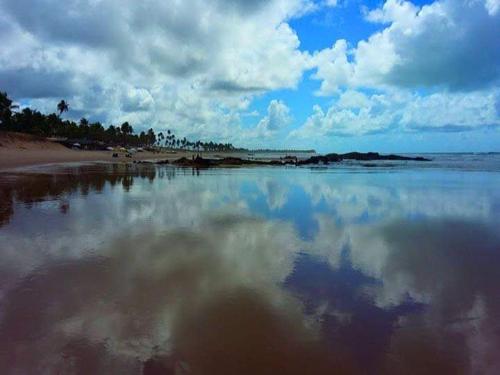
{"x":138,"y":268}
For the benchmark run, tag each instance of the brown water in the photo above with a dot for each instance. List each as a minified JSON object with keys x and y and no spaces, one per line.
{"x":142,"y":269}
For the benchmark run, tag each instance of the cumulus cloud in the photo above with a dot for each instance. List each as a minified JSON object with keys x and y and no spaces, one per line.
{"x":449,"y":44}
{"x":192,"y":65}
{"x":195,"y":66}
{"x":357,"y":113}
{"x":171,"y":38}
{"x":278,"y":117}
{"x":448,"y":48}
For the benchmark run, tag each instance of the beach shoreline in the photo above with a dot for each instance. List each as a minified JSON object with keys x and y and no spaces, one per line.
{"x":14,"y":159}
{"x":20,"y":150}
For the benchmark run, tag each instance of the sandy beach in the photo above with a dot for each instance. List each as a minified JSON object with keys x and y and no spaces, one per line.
{"x":23,"y":150}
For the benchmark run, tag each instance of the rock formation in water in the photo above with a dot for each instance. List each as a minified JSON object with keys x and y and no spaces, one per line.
{"x":200,"y":162}
{"x":361,"y":156}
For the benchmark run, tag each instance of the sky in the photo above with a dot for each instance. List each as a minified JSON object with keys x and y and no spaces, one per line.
{"x":333,"y":75}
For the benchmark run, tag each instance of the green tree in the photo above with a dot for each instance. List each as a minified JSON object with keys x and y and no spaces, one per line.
{"x":6,"y":109}
{"x":151,"y":137}
{"x":161,"y":137}
{"x":62,"y":106}
{"x":126,"y":128}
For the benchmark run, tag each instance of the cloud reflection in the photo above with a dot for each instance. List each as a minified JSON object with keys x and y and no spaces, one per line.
{"x":157,"y":269}
{"x":209,"y":300}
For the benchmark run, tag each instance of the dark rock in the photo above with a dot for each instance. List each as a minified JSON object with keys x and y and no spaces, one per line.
{"x":368,"y":156}
{"x":333,"y":157}
{"x":199,"y":162}
{"x":361,"y":156}
{"x":231,"y":161}
{"x":376,"y":156}
{"x":324,"y":159}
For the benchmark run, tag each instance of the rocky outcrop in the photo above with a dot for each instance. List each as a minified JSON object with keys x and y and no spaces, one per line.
{"x":367,"y":156}
{"x":370,"y":156}
{"x":199,"y":162}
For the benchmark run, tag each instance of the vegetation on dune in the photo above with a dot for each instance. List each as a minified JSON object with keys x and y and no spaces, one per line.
{"x":34,"y":122}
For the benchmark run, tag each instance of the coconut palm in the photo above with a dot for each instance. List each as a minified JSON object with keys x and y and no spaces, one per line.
{"x":126,"y":128}
{"x":161,"y":137}
{"x":62,"y":106}
{"x":6,"y":108}
{"x":6,"y":103}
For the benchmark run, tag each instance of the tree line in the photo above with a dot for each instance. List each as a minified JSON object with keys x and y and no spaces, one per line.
{"x":34,"y":122}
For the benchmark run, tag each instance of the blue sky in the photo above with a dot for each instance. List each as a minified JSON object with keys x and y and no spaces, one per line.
{"x":389,"y":76}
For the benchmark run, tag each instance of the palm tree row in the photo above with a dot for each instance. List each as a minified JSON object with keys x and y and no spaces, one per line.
{"x":52,"y":125}
{"x":172,"y":142}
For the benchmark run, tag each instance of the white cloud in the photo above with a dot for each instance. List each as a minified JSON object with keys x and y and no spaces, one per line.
{"x":353,"y":99}
{"x":393,"y":11}
{"x":136,"y":99}
{"x":278,"y":117}
{"x":447,"y":44}
{"x":450,"y":48}
{"x":333,"y":67}
{"x":330,"y":3}
{"x":195,"y":66}
{"x":493,"y":6}
{"x":191,"y":65}
{"x":356,"y":113}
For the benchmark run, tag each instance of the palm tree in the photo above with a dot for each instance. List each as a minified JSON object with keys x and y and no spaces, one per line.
{"x":6,"y":103}
{"x":143,"y":138}
{"x":151,"y":137}
{"x":126,"y":128}
{"x":62,"y":106}
{"x":160,"y":138}
{"x":6,"y":108}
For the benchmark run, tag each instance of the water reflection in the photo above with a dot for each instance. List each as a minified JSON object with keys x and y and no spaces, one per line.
{"x":116,"y":269}
{"x":38,"y":187}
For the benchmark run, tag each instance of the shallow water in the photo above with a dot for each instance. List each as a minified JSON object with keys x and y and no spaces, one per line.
{"x":144,"y":269}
